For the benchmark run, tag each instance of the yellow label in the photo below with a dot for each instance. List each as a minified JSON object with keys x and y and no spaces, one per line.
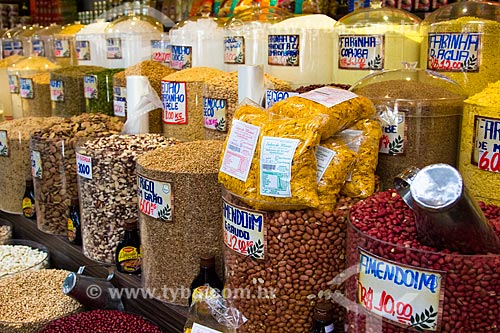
{"x":71,"y":227}
{"x":128,"y":253}
{"x":27,"y":203}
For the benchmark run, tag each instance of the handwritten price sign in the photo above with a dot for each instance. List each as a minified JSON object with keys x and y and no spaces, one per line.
{"x":406,"y":295}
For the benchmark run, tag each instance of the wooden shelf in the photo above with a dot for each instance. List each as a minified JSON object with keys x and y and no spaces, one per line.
{"x":170,"y":318}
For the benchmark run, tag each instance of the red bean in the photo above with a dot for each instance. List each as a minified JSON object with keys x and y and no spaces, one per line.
{"x":472,"y":283}
{"x":102,"y":321}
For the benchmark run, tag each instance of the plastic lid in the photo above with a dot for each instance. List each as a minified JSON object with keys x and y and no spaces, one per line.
{"x":207,"y":261}
{"x":372,"y":86}
{"x":93,"y":28}
{"x":47,"y":31}
{"x":309,"y":22}
{"x":469,"y":9}
{"x":255,"y":20}
{"x":134,"y":24}
{"x":71,"y":30}
{"x":29,"y":31}
{"x":323,"y":311}
{"x":13,"y":32}
{"x":34,"y":63}
{"x":376,"y":16}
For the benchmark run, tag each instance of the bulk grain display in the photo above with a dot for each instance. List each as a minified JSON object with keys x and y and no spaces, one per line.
{"x":478,"y":160}
{"x":29,"y":300}
{"x":98,"y":91}
{"x":462,"y":40}
{"x":39,"y":104}
{"x":175,"y":231}
{"x":460,"y":291}
{"x":15,"y":161}
{"x":5,"y":90}
{"x":182,"y":98}
{"x":108,"y":192}
{"x":67,"y":90}
{"x":18,"y":255}
{"x":420,"y":112}
{"x":54,"y":160}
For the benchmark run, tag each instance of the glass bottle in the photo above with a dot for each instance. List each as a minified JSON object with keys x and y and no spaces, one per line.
{"x":323,"y":320}
{"x":74,"y":226}
{"x":28,"y":203}
{"x":128,"y":252}
{"x":206,"y":276}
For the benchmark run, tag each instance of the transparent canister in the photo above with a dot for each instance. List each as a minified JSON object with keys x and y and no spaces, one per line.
{"x":198,"y":41}
{"x":246,"y":36}
{"x":8,"y":47}
{"x":42,"y":41}
{"x":91,"y":44}
{"x":128,"y":39}
{"x":64,"y":45}
{"x":479,"y":148}
{"x":120,"y":94}
{"x":300,"y":49}
{"x":107,"y":184}
{"x":5,"y":87}
{"x":420,"y":112}
{"x":24,"y":37}
{"x":462,"y":41}
{"x":34,"y":90}
{"x":373,"y":39}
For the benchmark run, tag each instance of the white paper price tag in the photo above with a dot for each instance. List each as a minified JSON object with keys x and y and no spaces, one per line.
{"x":84,"y":166}
{"x":197,"y":328}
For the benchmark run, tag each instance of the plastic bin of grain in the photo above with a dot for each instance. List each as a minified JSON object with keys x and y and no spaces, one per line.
{"x":478,"y":161}
{"x":91,"y":44}
{"x":182,"y":98}
{"x":197,"y":42}
{"x":8,"y":48}
{"x":154,"y":71}
{"x":24,"y":310}
{"x":24,"y":37}
{"x":420,"y":112}
{"x":108,"y":192}
{"x":287,"y":263}
{"x":462,"y":40}
{"x":53,"y":151}
{"x":98,"y":90}
{"x":246,"y":36}
{"x":373,"y":39}
{"x":5,"y":87}
{"x":34,"y":99}
{"x":220,"y":101}
{"x":42,"y":41}
{"x":170,"y":224}
{"x":300,"y":49}
{"x":15,"y":161}
{"x":64,"y":45}
{"x":67,"y":90}
{"x":128,"y":39}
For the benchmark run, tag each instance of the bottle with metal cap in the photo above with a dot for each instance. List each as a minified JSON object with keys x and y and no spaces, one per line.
{"x":446,"y":215}
{"x":323,"y":320}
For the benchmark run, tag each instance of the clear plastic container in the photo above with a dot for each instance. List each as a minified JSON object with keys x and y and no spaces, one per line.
{"x":420,"y":112}
{"x":5,"y":89}
{"x":373,"y":39}
{"x":24,"y":37}
{"x":462,"y":41}
{"x":300,"y":49}
{"x":91,"y":44}
{"x":32,"y":246}
{"x":198,"y":41}
{"x":8,"y":47}
{"x":42,"y":41}
{"x":246,"y":36}
{"x":98,"y":90}
{"x":33,"y":99}
{"x":408,"y":284}
{"x":64,"y":45}
{"x":128,"y":39}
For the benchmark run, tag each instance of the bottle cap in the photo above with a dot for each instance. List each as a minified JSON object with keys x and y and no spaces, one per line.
{"x":130,"y":225}
{"x":29,"y":182}
{"x":207,"y":261}
{"x":323,"y":311}
{"x":75,"y":201}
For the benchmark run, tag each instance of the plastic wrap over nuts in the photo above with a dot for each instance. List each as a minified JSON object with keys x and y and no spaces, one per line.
{"x":339,"y":116}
